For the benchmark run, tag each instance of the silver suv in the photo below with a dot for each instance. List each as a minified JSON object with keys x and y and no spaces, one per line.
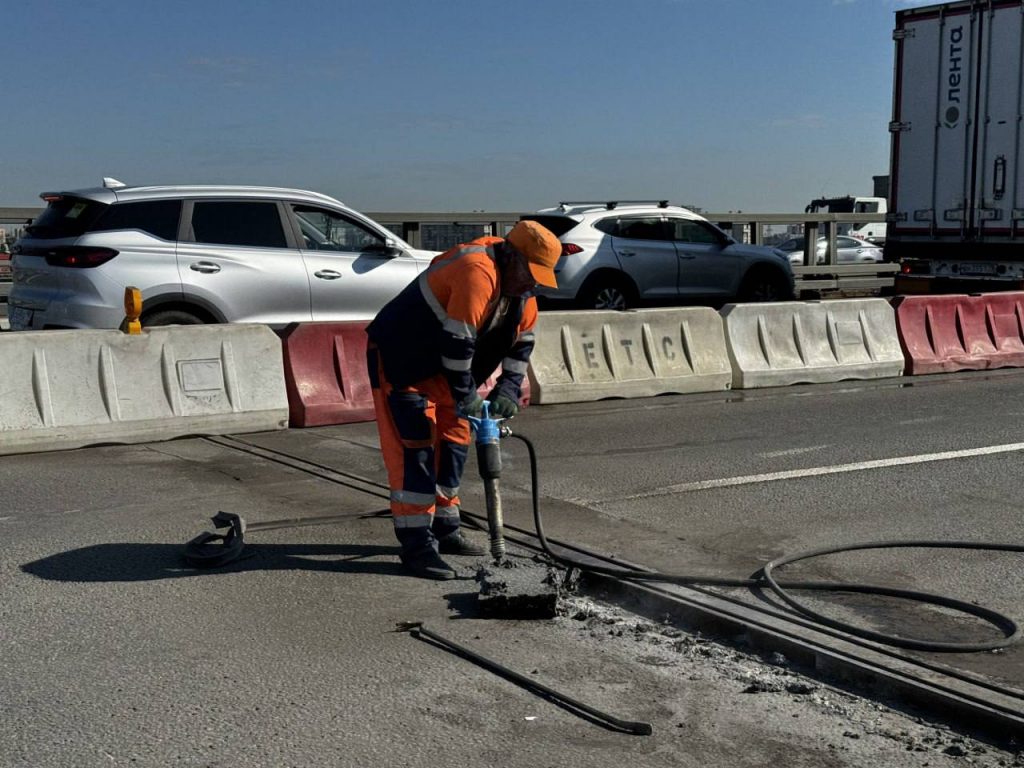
{"x":203,"y":254}
{"x":617,"y":255}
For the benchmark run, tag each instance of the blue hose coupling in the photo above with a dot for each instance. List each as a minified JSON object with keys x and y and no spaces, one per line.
{"x":488,"y":432}
{"x":487,"y":429}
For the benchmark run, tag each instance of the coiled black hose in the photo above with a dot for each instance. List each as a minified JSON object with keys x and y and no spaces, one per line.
{"x":765,"y":578}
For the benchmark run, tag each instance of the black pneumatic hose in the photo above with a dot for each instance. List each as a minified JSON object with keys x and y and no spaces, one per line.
{"x":766,"y":578}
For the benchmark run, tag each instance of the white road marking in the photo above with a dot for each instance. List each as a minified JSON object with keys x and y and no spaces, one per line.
{"x":793,"y":451}
{"x":768,"y":477}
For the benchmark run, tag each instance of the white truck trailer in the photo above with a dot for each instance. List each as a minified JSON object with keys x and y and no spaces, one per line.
{"x":956,"y":200}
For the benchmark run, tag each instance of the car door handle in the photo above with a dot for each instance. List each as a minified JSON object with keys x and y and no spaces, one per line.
{"x":627,"y":253}
{"x":687,"y":256}
{"x":327,"y":274}
{"x":206,"y":267}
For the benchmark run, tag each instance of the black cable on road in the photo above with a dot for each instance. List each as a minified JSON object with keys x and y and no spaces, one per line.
{"x":783,"y":589}
{"x":577,"y":707}
{"x":765,"y":578}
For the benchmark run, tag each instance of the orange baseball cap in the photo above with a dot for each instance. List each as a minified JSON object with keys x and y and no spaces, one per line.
{"x":541,"y":249}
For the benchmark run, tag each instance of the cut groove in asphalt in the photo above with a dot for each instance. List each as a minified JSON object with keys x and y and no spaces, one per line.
{"x":950,"y":693}
{"x":835,"y":469}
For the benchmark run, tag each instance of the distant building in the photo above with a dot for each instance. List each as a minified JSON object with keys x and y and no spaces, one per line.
{"x":441,"y":237}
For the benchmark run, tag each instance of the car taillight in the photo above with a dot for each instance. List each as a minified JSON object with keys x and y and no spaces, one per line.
{"x":79,"y":257}
{"x":568,"y":249}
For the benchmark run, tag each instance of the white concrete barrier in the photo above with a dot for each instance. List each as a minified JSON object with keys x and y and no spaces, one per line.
{"x":68,"y":389}
{"x":582,"y":356}
{"x":773,"y":345}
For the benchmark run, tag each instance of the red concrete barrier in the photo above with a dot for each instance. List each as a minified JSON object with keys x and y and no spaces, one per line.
{"x":326,"y":378}
{"x":940,"y":334}
{"x":325,"y":374}
{"x":524,"y":396}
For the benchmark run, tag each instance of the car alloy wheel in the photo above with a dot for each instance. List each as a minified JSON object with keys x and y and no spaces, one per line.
{"x":610,"y":297}
{"x":765,"y":290}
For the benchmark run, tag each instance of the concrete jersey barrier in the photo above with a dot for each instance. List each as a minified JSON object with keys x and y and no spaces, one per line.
{"x":583,"y":356}
{"x":777,"y":344}
{"x":69,"y":389}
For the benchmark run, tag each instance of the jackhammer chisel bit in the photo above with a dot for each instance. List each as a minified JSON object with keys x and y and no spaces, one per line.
{"x":488,"y":456}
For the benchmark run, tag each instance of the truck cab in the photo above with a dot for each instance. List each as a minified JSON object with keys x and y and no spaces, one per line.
{"x":873,"y":232}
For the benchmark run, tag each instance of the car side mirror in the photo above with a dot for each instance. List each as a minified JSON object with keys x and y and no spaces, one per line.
{"x":388,"y":249}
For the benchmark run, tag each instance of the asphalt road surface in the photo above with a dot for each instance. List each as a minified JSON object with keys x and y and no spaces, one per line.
{"x":114,"y":653}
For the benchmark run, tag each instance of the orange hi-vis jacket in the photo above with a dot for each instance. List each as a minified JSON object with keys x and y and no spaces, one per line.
{"x":454,"y":320}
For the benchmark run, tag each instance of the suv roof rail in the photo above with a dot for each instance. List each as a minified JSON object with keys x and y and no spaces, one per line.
{"x":611,"y":205}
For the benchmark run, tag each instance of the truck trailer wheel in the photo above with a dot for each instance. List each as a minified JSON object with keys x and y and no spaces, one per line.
{"x":764,"y":285}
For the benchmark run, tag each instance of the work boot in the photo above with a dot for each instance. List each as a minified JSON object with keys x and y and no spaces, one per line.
{"x":427,"y":564}
{"x":459,"y":544}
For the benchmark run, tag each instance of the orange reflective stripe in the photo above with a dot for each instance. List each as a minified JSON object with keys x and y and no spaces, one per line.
{"x":529,"y":318}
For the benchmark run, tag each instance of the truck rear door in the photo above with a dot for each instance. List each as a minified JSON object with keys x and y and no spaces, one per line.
{"x":934,"y":118}
{"x":997,"y":180}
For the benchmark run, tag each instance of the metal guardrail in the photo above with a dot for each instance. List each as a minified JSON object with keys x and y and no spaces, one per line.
{"x":818,"y":278}
{"x":746,"y":227}
{"x":19,"y":214}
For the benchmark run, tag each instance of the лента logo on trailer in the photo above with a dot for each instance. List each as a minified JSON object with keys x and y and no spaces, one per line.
{"x":954,"y":76}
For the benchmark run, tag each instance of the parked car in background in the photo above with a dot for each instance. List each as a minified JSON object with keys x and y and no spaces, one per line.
{"x":619,"y":255}
{"x":851,"y":250}
{"x":203,"y":254}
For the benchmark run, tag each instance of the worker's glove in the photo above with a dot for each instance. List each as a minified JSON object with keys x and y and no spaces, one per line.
{"x":504,"y":407}
{"x":472,"y":406}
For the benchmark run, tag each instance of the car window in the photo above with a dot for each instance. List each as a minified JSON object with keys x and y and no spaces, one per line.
{"x":846,"y":242}
{"x":65,"y":217}
{"x":642,"y":228}
{"x":689,"y":231}
{"x":558,"y":225}
{"x":238,"y":223}
{"x":157,"y":217}
{"x":792,"y":245}
{"x":325,"y":230}
{"x":609,"y":226}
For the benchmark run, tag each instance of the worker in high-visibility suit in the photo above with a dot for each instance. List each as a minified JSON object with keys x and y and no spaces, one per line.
{"x":428,"y":350}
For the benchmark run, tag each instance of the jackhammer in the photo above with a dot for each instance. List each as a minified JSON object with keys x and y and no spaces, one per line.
{"x":488,"y":458}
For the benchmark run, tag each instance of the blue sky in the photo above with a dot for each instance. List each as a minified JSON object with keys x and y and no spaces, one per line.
{"x":750,"y":105}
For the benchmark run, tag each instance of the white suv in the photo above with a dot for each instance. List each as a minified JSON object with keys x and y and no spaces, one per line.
{"x":618,"y":255}
{"x":204,"y":255}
